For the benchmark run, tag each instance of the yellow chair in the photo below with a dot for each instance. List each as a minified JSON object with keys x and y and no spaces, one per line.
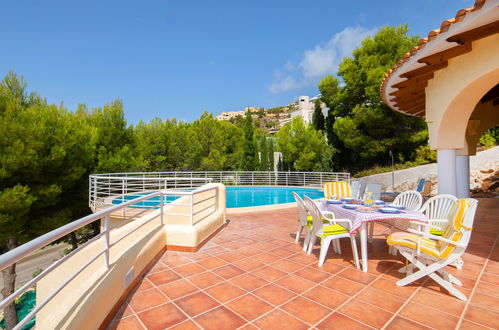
{"x":338,"y":189}
{"x":431,"y":254}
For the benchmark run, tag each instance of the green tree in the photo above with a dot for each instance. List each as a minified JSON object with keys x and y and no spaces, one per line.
{"x":302,"y":147}
{"x":264,"y":152}
{"x":271,"y":153}
{"x":45,"y":155}
{"x":249,"y":159}
{"x":318,"y":117}
{"x":115,"y":145}
{"x":366,"y":127}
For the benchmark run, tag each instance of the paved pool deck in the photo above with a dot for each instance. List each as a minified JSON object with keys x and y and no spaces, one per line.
{"x":253,"y":275}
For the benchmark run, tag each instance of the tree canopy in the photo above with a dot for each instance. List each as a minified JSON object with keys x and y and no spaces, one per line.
{"x":303,"y":148}
{"x":360,"y":126}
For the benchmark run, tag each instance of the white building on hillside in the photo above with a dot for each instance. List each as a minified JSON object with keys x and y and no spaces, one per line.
{"x":229,"y":115}
{"x":306,"y":107}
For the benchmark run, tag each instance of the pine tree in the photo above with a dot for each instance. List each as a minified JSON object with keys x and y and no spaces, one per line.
{"x":249,"y":161}
{"x":318,"y":117}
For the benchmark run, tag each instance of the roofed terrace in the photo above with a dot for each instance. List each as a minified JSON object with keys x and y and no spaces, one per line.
{"x":252,"y":274}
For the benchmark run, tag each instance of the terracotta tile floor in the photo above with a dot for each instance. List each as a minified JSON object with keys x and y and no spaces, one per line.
{"x":253,"y":275}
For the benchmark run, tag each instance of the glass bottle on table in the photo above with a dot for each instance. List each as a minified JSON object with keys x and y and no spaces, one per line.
{"x":368,"y":201}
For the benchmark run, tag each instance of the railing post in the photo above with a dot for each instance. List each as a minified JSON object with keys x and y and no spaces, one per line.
{"x":286,"y":178}
{"x":95,"y":192}
{"x":216,"y":199}
{"x":123,"y":197}
{"x":304,"y":182}
{"x":337,"y":177}
{"x":321,"y":180}
{"x":252,"y":178}
{"x":192,"y":209}
{"x":106,"y":241}
{"x":161,"y":200}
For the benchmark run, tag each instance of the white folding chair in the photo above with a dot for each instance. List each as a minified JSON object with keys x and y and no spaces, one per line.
{"x":437,"y":209}
{"x":355,"y":189}
{"x":305,"y":221}
{"x":430,"y":254}
{"x":327,"y":232}
{"x":411,"y":199}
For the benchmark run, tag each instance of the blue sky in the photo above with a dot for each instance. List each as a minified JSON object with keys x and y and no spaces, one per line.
{"x":179,"y":58}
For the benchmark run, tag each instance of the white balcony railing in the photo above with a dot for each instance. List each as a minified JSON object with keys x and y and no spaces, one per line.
{"x":106,"y":189}
{"x":195,"y":205}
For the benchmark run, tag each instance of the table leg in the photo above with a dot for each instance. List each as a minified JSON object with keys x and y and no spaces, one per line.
{"x":363,"y":246}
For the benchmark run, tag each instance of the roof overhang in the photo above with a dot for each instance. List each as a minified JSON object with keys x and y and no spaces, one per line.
{"x":403,"y":87}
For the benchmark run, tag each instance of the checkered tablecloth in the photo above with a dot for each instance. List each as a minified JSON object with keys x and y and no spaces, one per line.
{"x":400,"y":220}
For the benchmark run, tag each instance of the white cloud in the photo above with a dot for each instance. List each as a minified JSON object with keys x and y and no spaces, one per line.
{"x":320,"y":61}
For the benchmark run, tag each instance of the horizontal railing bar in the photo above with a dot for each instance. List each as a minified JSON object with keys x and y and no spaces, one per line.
{"x":28,"y":317}
{"x":125,"y":221}
{"x":37,"y":278}
{"x":178,"y":214}
{"x":204,"y":209}
{"x":204,"y":200}
{"x":20,"y":252}
{"x":132,"y":231}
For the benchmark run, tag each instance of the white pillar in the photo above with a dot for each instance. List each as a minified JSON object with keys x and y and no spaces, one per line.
{"x":463,"y":176}
{"x":446,"y":171}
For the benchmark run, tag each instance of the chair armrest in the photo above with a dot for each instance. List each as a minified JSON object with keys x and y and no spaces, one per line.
{"x":347,"y":221}
{"x":437,"y":238}
{"x":438,"y":220}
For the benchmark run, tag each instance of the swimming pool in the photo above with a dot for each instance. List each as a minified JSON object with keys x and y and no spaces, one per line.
{"x":258,"y":196}
{"x":240,"y":196}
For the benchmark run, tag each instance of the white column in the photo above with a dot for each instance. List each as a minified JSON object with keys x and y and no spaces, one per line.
{"x":446,"y":171}
{"x":463,"y":176}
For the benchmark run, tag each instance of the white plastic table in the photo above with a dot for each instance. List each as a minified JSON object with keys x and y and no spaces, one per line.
{"x":360,"y":219}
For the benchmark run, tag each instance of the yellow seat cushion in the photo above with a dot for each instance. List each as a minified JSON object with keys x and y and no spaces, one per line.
{"x":333,"y":230}
{"x":310,"y":221}
{"x":451,"y":232}
{"x":427,"y":245}
{"x":437,"y":232}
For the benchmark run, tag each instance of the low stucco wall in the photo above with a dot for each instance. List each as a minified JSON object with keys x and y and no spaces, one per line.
{"x":88,"y":299}
{"x":408,"y":179}
{"x":180,"y":232}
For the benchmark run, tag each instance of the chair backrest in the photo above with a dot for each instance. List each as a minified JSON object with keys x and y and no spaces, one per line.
{"x":362,"y":189}
{"x":302,"y":208}
{"x":460,"y":225}
{"x":373,"y":188}
{"x":355,"y":189}
{"x":338,"y":189}
{"x":316,"y":214}
{"x":438,"y":208}
{"x":411,"y":199}
{"x":420,"y":185}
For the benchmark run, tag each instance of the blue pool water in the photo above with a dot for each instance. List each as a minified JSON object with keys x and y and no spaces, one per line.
{"x":241,"y":196}
{"x":258,"y":196}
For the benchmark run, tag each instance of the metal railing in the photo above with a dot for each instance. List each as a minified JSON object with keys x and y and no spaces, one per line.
{"x":104,"y":188}
{"x":196,"y":210}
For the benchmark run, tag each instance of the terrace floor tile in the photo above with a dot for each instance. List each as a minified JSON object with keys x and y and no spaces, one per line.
{"x":162,"y":317}
{"x":196,"y":303}
{"x":266,"y":281}
{"x":249,"y":306}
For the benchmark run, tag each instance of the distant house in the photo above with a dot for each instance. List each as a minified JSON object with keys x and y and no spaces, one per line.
{"x":306,"y":107}
{"x":229,"y":115}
